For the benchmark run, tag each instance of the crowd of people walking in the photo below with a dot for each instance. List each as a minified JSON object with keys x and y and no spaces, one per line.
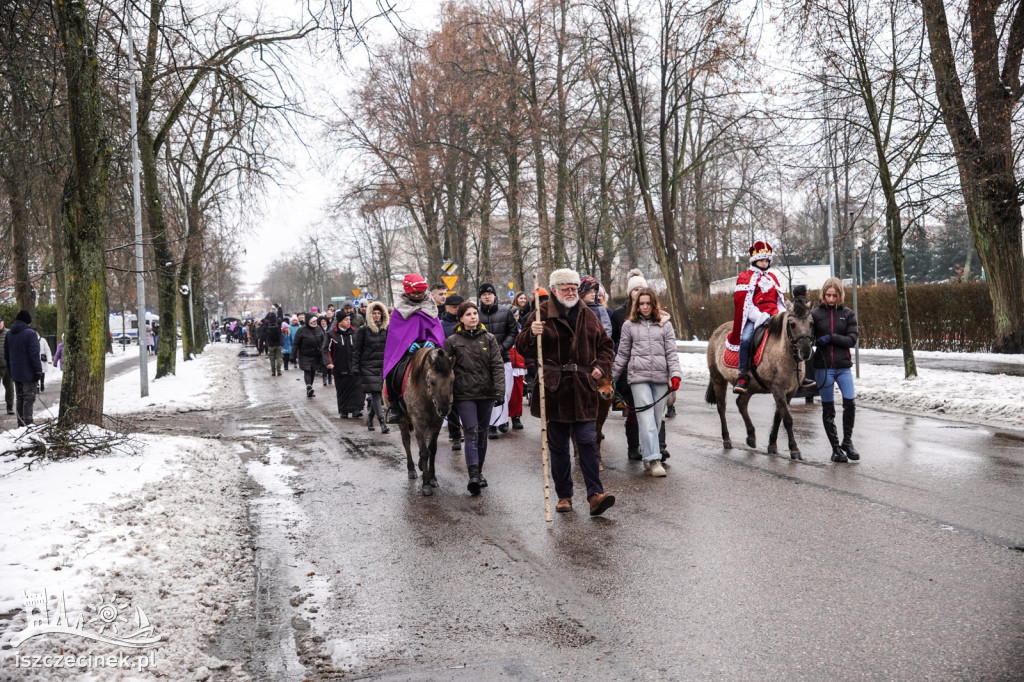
{"x":361,"y":349}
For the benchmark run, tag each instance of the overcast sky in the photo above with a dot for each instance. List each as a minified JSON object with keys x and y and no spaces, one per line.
{"x":298,"y":203}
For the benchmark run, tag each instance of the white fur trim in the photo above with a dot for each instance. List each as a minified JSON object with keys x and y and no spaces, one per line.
{"x":564,"y":276}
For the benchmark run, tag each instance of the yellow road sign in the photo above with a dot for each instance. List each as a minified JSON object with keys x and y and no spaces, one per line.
{"x":355,"y":292}
{"x":450,"y":280}
{"x":511,"y":285}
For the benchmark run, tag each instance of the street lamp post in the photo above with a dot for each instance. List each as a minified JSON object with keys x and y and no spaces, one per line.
{"x":853,"y":280}
{"x":140,"y":284}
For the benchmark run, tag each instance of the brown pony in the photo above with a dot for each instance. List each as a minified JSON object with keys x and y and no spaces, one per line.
{"x":786,"y":352}
{"x":423,"y":407}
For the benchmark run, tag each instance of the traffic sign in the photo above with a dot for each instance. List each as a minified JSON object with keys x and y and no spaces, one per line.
{"x":450,"y":280}
{"x":355,"y":293}
{"x":449,"y":268}
{"x":511,"y":294}
{"x":511,"y":285}
{"x":338,"y":298}
{"x":369,"y":296}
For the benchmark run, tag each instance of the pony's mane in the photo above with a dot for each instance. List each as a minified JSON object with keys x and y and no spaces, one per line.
{"x":775,"y":326}
{"x":441,"y":364}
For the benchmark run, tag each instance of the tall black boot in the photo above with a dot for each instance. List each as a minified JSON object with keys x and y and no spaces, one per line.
{"x":633,"y":441}
{"x":828,"y":418}
{"x":369,"y":422}
{"x":483,"y":481}
{"x":661,"y":443}
{"x":849,"y":412}
{"x":474,"y":480}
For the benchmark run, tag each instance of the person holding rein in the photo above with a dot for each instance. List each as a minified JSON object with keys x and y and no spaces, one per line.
{"x":479,"y":385}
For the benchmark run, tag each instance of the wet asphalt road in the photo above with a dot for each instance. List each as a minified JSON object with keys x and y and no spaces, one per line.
{"x":736,"y":566}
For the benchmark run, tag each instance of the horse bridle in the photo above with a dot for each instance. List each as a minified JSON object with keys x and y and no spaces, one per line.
{"x":793,"y":340}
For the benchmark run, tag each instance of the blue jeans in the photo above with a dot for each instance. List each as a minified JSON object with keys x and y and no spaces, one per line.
{"x":649,"y":421}
{"x":474,"y":416}
{"x":828,"y":378}
{"x":745,"y":336}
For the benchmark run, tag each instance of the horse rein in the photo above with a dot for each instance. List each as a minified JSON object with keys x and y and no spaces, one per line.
{"x":642,"y":408}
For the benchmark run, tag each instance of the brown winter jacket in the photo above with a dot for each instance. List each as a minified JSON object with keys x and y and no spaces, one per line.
{"x":570,"y":396}
{"x":479,"y":370}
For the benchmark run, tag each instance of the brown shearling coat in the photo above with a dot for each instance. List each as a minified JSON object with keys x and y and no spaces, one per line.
{"x":569,"y":396}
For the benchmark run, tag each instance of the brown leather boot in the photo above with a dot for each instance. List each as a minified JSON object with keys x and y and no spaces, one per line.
{"x":600,"y":503}
{"x":564,"y":504}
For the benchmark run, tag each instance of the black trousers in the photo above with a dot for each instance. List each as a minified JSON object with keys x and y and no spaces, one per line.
{"x":25,"y":398}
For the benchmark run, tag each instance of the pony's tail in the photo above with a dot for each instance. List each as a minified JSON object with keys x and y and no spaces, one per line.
{"x":709,"y":395}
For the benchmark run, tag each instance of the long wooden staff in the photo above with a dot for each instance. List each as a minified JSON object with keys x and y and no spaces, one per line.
{"x":543,"y":406}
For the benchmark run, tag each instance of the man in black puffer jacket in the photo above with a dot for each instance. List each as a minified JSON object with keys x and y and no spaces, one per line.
{"x":498,"y":320}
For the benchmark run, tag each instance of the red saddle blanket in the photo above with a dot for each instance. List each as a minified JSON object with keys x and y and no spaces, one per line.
{"x":731,"y":358}
{"x":405,"y":377}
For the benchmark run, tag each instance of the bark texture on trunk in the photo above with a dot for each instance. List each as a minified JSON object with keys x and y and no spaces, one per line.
{"x":84,"y":219}
{"x":985,"y":156}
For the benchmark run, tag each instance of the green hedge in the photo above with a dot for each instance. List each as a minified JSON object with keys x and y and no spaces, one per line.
{"x":948,"y":317}
{"x":45,"y":319}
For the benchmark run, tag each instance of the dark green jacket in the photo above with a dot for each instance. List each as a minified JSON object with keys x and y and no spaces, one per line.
{"x":479,"y":369}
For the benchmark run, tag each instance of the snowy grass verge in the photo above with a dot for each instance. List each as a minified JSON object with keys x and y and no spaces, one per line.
{"x":992,"y":399}
{"x":207,"y":381}
{"x":164,"y":530}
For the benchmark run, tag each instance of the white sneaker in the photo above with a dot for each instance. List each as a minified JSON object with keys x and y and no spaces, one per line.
{"x":656,"y":469}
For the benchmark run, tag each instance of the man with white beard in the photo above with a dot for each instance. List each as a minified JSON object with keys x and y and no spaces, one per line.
{"x":577,"y":352}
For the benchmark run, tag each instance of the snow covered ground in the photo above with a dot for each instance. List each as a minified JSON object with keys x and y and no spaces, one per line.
{"x":161,"y":524}
{"x":992,"y":399}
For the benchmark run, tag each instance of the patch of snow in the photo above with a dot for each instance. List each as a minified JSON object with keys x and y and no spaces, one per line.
{"x":209,"y":380}
{"x":165,"y":530}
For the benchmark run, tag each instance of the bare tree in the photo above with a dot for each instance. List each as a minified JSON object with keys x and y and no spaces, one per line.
{"x":979,"y":110}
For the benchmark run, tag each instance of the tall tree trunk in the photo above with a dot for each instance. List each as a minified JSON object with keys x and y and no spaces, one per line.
{"x":562,"y":178}
{"x":484,"y":266}
{"x":515,"y":238}
{"x":985,"y":157}
{"x":894,"y":239}
{"x":166,"y":280}
{"x":84,"y":218}
{"x":23,"y":292}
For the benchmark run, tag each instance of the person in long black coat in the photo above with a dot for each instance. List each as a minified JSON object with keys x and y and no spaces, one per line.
{"x":339,"y":349}
{"x":369,"y":360}
{"x":306,"y":349}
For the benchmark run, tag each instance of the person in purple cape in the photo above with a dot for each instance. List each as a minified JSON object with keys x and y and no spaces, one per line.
{"x":414,"y":325}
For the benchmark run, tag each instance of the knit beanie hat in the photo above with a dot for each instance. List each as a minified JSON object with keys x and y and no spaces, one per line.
{"x":486,"y":288}
{"x":587,"y":284}
{"x":635,"y":280}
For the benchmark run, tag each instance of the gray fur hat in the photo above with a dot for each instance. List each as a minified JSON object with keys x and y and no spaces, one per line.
{"x":564,"y":276}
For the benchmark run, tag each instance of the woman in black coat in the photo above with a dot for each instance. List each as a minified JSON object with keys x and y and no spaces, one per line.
{"x":835,"y":331}
{"x":306,"y":350}
{"x":369,"y":360}
{"x":339,"y":349}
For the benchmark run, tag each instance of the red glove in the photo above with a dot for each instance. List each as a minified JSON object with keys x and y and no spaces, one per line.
{"x":675,"y":384}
